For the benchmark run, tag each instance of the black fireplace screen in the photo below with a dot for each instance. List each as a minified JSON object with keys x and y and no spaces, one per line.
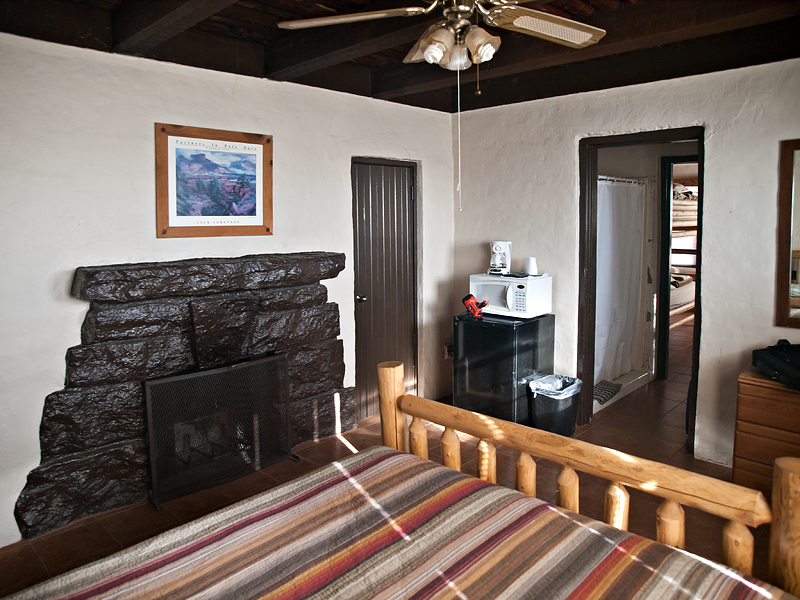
{"x":215,"y":426}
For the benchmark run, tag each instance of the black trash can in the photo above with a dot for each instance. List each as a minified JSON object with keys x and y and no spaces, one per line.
{"x":553,"y":403}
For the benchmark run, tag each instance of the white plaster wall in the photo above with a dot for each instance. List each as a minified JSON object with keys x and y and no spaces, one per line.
{"x":520,"y":183}
{"x":77,"y":164}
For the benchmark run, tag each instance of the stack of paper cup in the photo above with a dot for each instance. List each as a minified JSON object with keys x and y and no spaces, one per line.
{"x":530,"y":266}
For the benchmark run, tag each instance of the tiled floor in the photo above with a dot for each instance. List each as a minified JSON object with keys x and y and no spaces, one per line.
{"x":648,"y":423}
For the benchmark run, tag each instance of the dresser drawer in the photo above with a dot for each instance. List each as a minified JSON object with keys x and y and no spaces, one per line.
{"x":762,"y":449}
{"x":773,"y":412}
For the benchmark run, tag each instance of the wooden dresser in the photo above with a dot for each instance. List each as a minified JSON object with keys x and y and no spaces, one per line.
{"x":767,"y":426}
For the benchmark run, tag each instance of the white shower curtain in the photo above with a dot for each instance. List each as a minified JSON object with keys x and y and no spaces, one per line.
{"x":620,"y":226}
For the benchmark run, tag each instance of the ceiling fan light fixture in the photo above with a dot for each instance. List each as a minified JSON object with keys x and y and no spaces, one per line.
{"x":459,"y":59}
{"x":436,"y":47}
{"x":482,"y":45}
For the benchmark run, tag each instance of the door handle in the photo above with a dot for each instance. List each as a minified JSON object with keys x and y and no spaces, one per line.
{"x":361,"y":298}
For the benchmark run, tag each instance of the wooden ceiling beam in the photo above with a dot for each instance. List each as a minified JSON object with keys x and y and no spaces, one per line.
{"x":214,"y":52}
{"x":756,"y":45}
{"x":141,"y":26}
{"x":315,"y":49}
{"x":639,"y":26}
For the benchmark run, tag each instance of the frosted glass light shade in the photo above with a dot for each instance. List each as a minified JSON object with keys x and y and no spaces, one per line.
{"x":481,"y":44}
{"x":436,"y":47}
{"x":459,"y":59}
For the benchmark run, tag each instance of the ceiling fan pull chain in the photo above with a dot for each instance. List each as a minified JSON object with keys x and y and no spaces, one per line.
{"x":458,"y":108}
{"x":477,"y":64}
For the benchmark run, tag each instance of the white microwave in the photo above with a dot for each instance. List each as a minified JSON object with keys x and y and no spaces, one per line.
{"x":521,"y":296}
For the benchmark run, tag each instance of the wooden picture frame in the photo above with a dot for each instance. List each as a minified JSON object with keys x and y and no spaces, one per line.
{"x":211,"y":182}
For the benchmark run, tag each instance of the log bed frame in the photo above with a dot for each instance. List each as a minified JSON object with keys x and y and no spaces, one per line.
{"x":742,"y":507}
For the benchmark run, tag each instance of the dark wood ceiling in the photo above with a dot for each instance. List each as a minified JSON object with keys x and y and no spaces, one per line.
{"x":647,"y":40}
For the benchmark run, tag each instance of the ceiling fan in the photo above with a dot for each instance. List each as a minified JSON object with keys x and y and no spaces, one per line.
{"x":455,"y":43}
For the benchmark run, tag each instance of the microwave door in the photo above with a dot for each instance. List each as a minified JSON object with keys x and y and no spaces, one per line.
{"x":496,"y":294}
{"x":487,"y":293}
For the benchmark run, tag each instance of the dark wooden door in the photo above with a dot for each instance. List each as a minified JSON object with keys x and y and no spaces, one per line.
{"x":384,"y":232}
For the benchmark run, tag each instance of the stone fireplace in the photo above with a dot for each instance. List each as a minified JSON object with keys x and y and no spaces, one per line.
{"x":153,"y":320}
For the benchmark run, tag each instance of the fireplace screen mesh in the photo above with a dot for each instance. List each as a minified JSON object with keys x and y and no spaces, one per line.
{"x":212,"y":427}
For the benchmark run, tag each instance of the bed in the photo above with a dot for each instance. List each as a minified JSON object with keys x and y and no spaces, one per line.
{"x":681,"y":290}
{"x":385,"y":523}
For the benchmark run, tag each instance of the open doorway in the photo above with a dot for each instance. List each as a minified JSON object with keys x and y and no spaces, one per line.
{"x":681,"y":223}
{"x":638,"y":237}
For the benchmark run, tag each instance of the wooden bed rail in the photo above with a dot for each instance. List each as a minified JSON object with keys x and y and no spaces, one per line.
{"x":742,"y":507}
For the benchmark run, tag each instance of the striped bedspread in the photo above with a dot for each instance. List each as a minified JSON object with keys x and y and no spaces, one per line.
{"x":383,"y":524}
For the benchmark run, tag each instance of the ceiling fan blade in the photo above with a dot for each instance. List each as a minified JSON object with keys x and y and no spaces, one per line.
{"x":415,"y":54}
{"x":544,"y":25}
{"x":352,"y":18}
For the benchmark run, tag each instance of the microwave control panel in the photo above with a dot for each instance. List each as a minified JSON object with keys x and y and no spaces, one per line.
{"x":519,"y":299}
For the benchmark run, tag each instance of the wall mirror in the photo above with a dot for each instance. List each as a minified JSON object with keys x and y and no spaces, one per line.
{"x":788,"y":282}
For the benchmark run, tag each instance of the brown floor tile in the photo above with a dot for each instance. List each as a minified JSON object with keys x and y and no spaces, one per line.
{"x":435,"y":454}
{"x":77,"y":544}
{"x":676,"y":417}
{"x":288,"y":469}
{"x":606,"y":413}
{"x":657,"y":405}
{"x":642,"y":513}
{"x":248,"y":486}
{"x":666,"y":433}
{"x":324,"y":451}
{"x":761,"y":552}
{"x":470,"y":467}
{"x":656,"y":450}
{"x":546,"y":475}
{"x":681,"y":378}
{"x":362,"y":439}
{"x":196,"y":505}
{"x":606,"y":436}
{"x":592,"y":495}
{"x":133,"y":524}
{"x":20,"y":567}
{"x":676,"y":394}
{"x":685,"y":460}
{"x":506,"y":465}
{"x":704,"y":534}
{"x":368,"y":423}
{"x":680,"y":360}
{"x":434,"y":437}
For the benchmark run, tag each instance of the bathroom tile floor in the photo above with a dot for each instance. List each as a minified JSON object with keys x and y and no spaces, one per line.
{"x":649,"y":423}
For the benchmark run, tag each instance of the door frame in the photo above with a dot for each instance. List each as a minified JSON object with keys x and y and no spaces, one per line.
{"x":411,"y":371}
{"x":587,"y":261}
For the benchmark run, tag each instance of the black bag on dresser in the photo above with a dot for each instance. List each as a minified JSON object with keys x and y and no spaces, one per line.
{"x":781,"y":362}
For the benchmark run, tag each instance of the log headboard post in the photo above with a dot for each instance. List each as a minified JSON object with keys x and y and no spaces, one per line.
{"x":391,"y":386}
{"x":784,"y":543}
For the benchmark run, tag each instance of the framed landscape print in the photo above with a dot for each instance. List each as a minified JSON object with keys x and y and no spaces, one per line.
{"x":211,"y":182}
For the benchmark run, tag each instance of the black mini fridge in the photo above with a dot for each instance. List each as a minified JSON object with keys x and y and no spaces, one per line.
{"x":494,"y":358}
